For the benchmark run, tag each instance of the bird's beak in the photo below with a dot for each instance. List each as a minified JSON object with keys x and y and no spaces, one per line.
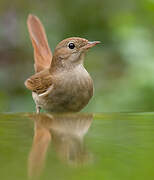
{"x":91,"y":44}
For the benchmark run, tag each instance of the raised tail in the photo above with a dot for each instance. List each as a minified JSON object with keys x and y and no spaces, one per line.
{"x":42,"y":52}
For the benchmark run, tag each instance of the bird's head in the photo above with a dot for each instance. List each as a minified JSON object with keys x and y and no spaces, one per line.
{"x":71,"y":51}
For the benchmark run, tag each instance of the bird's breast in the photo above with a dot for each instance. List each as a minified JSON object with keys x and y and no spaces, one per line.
{"x":72,"y":91}
{"x":75,"y":82}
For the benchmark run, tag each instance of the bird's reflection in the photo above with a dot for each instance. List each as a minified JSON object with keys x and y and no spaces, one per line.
{"x":66,"y":134}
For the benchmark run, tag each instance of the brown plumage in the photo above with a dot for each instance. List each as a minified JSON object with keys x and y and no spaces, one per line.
{"x":42,"y":52}
{"x":60,"y":82}
{"x":39,"y":82}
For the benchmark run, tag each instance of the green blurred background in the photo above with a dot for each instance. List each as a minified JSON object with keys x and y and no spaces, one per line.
{"x":122,"y":66}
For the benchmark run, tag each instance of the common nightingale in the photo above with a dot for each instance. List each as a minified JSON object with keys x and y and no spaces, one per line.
{"x":60,"y":83}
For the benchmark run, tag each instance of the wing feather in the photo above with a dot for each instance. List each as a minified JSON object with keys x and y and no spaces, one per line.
{"x":39,"y":82}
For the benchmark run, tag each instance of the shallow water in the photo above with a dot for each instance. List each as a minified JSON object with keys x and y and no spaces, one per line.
{"x":113,"y":146}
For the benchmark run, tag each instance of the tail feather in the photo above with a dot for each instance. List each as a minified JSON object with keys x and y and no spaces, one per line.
{"x":42,"y":52}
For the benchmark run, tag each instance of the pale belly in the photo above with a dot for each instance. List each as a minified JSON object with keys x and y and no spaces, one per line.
{"x":69,"y":95}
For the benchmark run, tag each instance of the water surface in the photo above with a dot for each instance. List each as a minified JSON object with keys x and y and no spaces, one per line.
{"x":113,"y":146}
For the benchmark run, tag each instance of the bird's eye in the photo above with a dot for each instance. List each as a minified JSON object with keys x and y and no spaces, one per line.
{"x":71,"y":45}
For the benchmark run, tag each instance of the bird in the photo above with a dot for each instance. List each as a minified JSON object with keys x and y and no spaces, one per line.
{"x":60,"y":82}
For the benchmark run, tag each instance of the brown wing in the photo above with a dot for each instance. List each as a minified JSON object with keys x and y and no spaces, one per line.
{"x":40,"y":82}
{"x":42,"y":52}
